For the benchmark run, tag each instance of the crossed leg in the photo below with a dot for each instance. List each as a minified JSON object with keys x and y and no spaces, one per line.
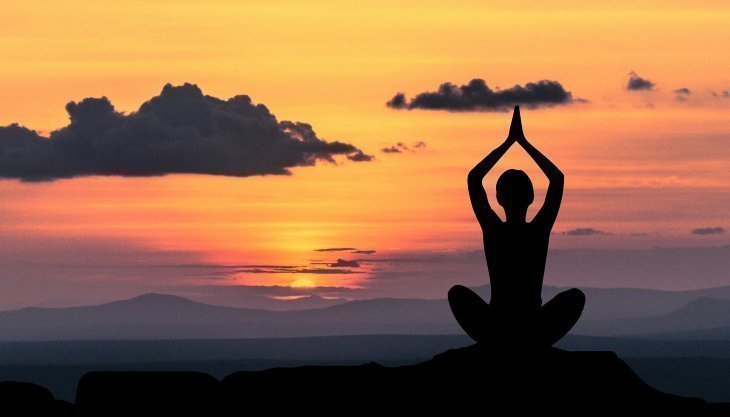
{"x":485,"y":325}
{"x":559,"y":315}
{"x":473,"y":314}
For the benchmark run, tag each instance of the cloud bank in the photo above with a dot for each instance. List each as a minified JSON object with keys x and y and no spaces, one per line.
{"x":180,"y":131}
{"x":477,"y":96}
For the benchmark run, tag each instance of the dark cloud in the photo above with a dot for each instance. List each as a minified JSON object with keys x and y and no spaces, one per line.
{"x":360,"y":156}
{"x":334,"y":249}
{"x":682,"y":94}
{"x":364,"y":252}
{"x":401,"y":147}
{"x":302,"y":270}
{"x":477,"y":96}
{"x":223,"y":270}
{"x":391,"y":149}
{"x":724,"y":94}
{"x":397,"y":102}
{"x":204,"y":266}
{"x":180,"y":131}
{"x":708,"y":231}
{"x":397,"y":148}
{"x":636,"y":83}
{"x":584,"y":231}
{"x":280,"y":290}
{"x":344,"y":263}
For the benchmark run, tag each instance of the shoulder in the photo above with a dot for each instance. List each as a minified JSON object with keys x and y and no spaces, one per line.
{"x":491,"y":226}
{"x":538,"y":226}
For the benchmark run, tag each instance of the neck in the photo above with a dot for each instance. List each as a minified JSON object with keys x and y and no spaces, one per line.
{"x":516,"y":216}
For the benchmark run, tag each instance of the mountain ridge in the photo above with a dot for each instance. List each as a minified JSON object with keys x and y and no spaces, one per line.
{"x":166,"y":316}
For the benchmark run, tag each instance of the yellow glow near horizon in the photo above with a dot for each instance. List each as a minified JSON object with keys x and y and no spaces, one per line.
{"x":303,"y":283}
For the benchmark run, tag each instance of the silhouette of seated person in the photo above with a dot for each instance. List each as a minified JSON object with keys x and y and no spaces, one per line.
{"x":516,"y":251}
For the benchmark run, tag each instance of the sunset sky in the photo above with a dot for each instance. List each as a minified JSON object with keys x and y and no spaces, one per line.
{"x":645,"y":168}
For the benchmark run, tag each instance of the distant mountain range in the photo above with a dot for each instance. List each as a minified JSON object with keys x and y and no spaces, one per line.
{"x":231,"y":297}
{"x":617,"y":303}
{"x":700,"y":314}
{"x":705,"y":318}
{"x":160,"y":316}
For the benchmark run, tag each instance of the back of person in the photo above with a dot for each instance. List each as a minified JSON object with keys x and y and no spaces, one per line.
{"x":516,"y":255}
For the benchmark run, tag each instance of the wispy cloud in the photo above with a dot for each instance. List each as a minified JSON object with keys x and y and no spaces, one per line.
{"x":335,"y":249}
{"x":682,"y":94}
{"x":344,"y":263}
{"x":708,"y":231}
{"x":299,"y":270}
{"x":401,"y":147}
{"x":585,"y":231}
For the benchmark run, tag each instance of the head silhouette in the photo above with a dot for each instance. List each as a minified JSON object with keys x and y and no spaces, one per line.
{"x":514,"y":192}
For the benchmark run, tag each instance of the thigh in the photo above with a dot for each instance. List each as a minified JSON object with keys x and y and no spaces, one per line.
{"x":471,"y":311}
{"x":560,"y":314}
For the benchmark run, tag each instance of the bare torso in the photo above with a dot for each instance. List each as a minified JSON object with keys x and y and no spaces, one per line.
{"x":516,"y":254}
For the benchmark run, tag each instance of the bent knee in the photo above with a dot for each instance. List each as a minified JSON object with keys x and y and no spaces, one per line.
{"x":458,"y":291}
{"x":573,"y":296}
{"x":461,"y":295}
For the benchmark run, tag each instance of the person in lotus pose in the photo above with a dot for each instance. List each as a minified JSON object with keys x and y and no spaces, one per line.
{"x":516,"y":251}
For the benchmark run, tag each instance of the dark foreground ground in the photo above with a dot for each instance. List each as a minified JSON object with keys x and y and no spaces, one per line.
{"x":688,"y":368}
{"x":463,"y":380}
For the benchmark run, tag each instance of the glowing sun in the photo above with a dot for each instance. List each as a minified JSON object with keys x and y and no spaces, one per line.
{"x":303,"y":283}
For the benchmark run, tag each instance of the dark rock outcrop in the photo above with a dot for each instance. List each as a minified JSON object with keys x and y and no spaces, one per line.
{"x":112,"y":394}
{"x":467,"y":380}
{"x":26,"y":399}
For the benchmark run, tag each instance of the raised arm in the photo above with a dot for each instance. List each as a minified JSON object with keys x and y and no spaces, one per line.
{"x":478,"y":196}
{"x":549,"y":211}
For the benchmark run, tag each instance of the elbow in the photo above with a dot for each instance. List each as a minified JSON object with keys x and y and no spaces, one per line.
{"x":476,"y":173}
{"x":558,"y":177}
{"x":474,"y":177}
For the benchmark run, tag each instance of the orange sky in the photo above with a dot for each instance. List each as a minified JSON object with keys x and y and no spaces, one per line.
{"x":637,"y":163}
